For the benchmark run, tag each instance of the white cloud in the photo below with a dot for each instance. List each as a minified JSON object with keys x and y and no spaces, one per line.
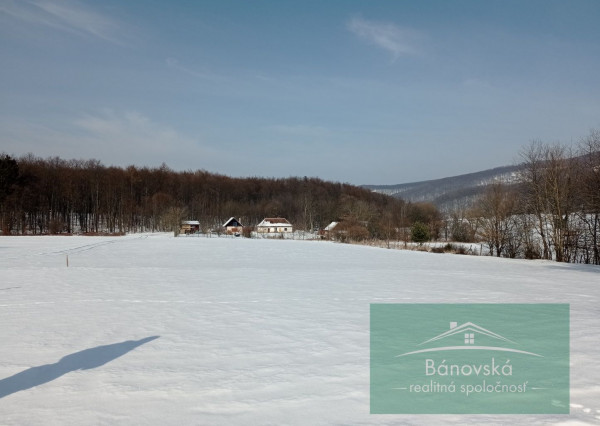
{"x":67,"y":16}
{"x":174,"y":64}
{"x":131,"y":138}
{"x":134,"y":138}
{"x":109,"y":136}
{"x":398,"y":41}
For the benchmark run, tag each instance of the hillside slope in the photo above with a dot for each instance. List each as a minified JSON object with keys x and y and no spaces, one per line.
{"x":445,"y":192}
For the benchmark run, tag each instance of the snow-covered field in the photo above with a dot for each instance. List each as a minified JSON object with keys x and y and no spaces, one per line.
{"x":217,"y":331}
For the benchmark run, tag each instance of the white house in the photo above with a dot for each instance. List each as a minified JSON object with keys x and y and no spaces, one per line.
{"x":274,"y":224}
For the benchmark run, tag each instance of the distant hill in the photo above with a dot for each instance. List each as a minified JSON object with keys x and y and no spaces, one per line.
{"x":450,"y":191}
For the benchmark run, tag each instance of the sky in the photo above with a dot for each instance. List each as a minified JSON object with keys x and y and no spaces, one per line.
{"x":364,"y":92}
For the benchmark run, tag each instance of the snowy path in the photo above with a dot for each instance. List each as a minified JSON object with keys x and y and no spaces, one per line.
{"x":161,"y":330}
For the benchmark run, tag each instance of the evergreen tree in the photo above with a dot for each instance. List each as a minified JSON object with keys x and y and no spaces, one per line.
{"x":419,"y":232}
{"x":9,"y":173}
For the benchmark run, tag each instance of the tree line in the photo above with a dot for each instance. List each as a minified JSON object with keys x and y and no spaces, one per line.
{"x":53,"y":196}
{"x":552,"y":212}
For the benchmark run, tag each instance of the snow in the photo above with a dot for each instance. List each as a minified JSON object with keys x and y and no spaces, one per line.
{"x":330,"y":226}
{"x":152,"y":329}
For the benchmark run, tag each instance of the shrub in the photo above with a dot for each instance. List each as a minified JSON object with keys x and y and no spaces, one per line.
{"x":461,"y":250}
{"x":532,"y":252}
{"x":462,"y":232}
{"x":247,"y":232}
{"x":419,"y":233}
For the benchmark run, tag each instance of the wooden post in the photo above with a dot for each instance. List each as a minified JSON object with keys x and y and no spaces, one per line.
{"x":67,"y":260}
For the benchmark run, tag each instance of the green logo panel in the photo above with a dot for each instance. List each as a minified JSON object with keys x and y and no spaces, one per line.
{"x":469,"y":358}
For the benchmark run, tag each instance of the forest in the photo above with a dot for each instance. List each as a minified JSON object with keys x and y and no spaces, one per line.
{"x":57,"y":196}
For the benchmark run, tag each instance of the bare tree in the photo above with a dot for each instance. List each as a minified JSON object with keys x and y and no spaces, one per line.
{"x":495,"y":210}
{"x":459,"y":224}
{"x":173,"y":217}
{"x":534,"y":192}
{"x":589,"y":214}
{"x":560,"y":189}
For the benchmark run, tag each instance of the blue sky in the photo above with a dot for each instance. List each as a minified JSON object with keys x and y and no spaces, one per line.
{"x":366,"y":92}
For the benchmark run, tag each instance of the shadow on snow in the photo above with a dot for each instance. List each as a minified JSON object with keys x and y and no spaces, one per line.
{"x":83,"y":360}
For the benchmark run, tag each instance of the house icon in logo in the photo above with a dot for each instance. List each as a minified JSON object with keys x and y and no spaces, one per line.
{"x":469,"y":331}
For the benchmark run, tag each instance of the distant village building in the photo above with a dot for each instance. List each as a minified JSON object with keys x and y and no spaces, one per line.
{"x":233,"y":226}
{"x":346,"y":229}
{"x":189,"y":227}
{"x":274,"y":224}
{"x":328,"y":230}
{"x":330,"y":227}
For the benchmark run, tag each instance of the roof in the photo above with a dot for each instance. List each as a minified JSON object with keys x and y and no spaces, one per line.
{"x":330,"y":226}
{"x":274,"y":221}
{"x":190,"y":222}
{"x":229,"y":220}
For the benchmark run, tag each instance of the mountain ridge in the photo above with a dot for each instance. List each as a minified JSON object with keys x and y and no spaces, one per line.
{"x":450,"y":191}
